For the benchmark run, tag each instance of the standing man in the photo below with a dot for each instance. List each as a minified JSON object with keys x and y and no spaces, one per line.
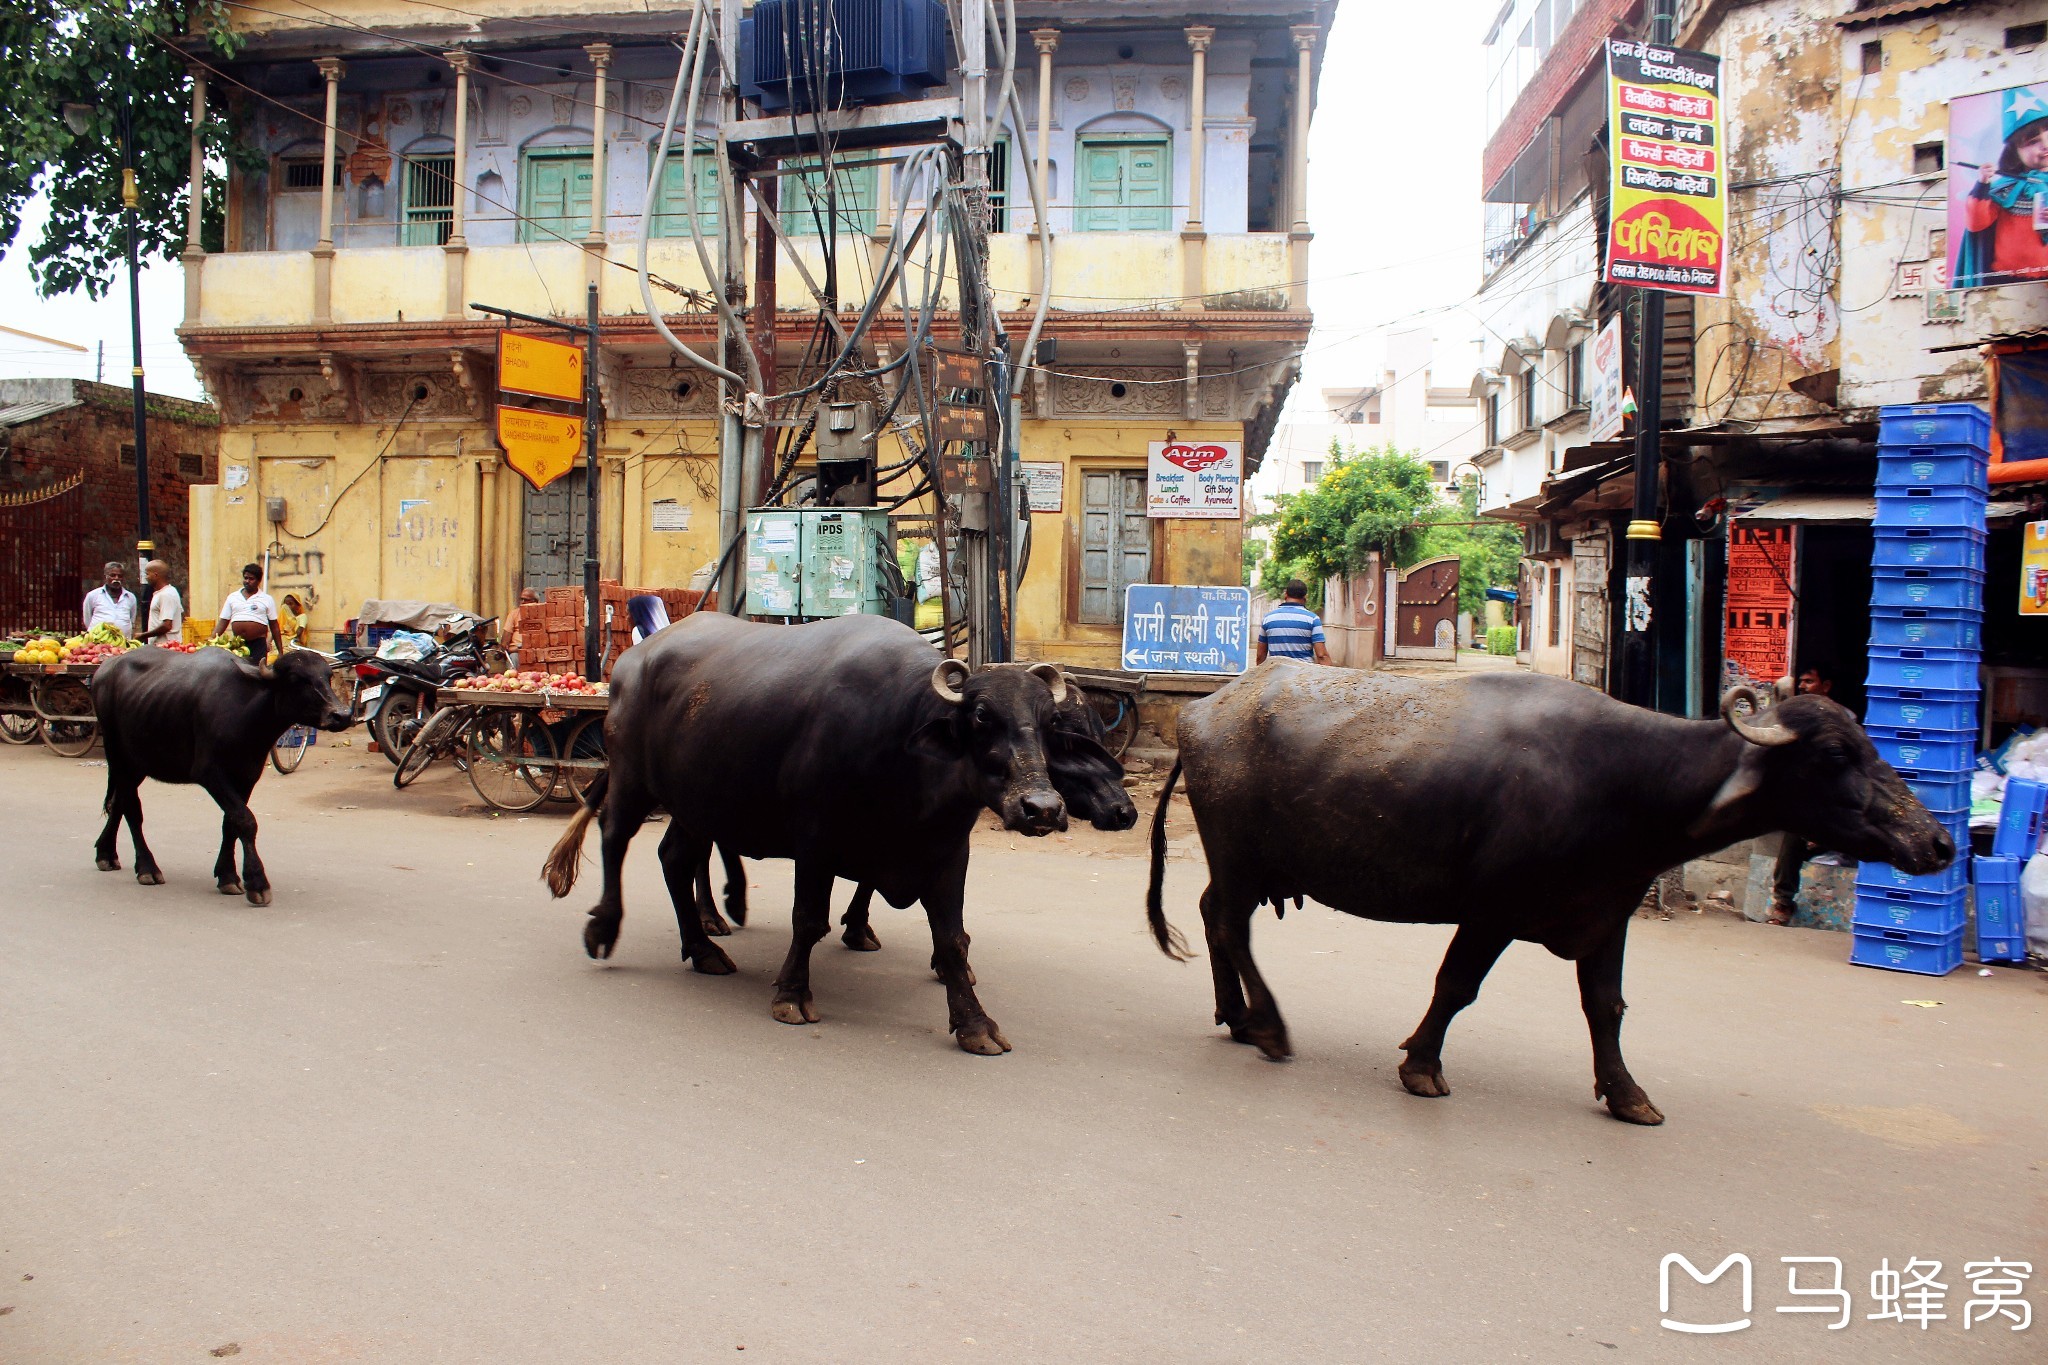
{"x":1291,"y":630}
{"x":1793,"y":851}
{"x":111,"y":603}
{"x":252,"y":615}
{"x":166,"y":608}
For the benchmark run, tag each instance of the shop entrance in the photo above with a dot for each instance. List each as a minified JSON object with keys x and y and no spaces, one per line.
{"x":1831,"y":629}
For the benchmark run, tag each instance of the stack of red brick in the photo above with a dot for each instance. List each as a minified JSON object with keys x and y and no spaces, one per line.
{"x":550,"y":632}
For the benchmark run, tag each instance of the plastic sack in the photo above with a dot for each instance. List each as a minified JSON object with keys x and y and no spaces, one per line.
{"x":2034,"y":896}
{"x":407,"y":647}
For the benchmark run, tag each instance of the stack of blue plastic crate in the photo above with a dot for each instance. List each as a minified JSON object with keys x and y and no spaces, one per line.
{"x":2001,"y":922}
{"x":1926,"y":634}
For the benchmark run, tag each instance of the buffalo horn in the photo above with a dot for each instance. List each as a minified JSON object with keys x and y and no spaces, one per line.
{"x":1768,"y":733}
{"x":946,"y":680}
{"x":1055,"y":677}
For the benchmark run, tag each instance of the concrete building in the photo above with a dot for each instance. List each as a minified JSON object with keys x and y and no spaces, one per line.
{"x":1836,"y":169}
{"x":67,"y":490}
{"x":357,"y":384}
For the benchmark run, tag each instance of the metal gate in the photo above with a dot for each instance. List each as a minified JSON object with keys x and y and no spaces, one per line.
{"x":554,"y":534}
{"x":1590,"y":555}
{"x":42,"y":557}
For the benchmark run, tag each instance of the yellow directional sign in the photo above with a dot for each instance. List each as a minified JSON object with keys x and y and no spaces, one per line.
{"x":542,"y":446}
{"x":545,"y":369}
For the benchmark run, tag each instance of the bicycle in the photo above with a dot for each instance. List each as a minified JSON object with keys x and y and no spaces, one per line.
{"x":290,"y":749}
{"x":509,"y":755}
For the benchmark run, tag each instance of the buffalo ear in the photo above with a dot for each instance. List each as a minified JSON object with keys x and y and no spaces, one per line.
{"x":1743,"y":783}
{"x":937,"y":739}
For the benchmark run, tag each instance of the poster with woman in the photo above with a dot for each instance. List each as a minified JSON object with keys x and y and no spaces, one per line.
{"x":1998,"y":187}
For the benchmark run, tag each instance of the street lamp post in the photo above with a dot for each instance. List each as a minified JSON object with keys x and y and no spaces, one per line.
{"x":79,"y":119}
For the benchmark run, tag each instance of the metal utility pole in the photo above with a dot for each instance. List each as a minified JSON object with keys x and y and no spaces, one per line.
{"x":732,"y":503}
{"x":1638,"y":653}
{"x":593,"y":627}
{"x":145,"y":547}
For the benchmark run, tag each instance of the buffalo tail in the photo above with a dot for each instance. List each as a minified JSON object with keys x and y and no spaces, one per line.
{"x":565,"y":860}
{"x":1169,"y":939}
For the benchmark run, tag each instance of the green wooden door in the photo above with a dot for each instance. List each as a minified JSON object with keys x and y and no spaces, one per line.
{"x":555,"y":195}
{"x":672,"y":208}
{"x":1126,"y":186}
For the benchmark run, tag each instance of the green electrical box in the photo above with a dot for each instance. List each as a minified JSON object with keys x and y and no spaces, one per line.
{"x":817,"y":562}
{"x":774,"y":576}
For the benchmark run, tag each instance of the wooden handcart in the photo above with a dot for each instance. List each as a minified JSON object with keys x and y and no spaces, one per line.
{"x":521,"y":748}
{"x":50,"y":701}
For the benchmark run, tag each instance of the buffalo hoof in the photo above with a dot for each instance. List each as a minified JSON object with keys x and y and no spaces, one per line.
{"x":1270,"y":1039}
{"x":736,"y":910}
{"x":1631,"y":1105}
{"x":710,"y":960}
{"x":260,"y":897}
{"x":110,"y":864}
{"x":861,"y":939}
{"x":983,"y":1039}
{"x":715,"y":925}
{"x":794,"y":1011}
{"x":150,"y":878}
{"x":1426,"y":1081}
{"x":230,"y":887}
{"x":600,"y":935}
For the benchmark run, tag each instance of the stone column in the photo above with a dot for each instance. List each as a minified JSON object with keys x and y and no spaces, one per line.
{"x":195,"y":254}
{"x":1193,"y":237}
{"x":600,"y":55}
{"x":330,"y":69}
{"x":455,"y":251}
{"x":1298,"y":235}
{"x":1047,"y":41}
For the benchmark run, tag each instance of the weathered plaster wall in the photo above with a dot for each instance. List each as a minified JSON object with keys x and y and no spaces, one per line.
{"x":1885,"y":357}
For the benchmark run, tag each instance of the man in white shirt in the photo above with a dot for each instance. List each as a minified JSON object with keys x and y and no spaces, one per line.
{"x":252,"y":615}
{"x":166,"y":607}
{"x":111,"y":602}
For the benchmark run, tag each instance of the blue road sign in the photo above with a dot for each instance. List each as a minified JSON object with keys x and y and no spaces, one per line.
{"x":1180,"y":629}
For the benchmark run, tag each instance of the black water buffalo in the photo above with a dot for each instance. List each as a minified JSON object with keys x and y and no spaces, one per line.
{"x":847,"y":745}
{"x":1084,"y":773}
{"x":210,"y":719}
{"x":1513,"y":806}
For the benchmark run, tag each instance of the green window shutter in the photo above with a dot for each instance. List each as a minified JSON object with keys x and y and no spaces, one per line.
{"x":803,"y":200}
{"x":555,"y":195}
{"x":672,"y":207}
{"x":429,"y":208}
{"x":1126,"y":186}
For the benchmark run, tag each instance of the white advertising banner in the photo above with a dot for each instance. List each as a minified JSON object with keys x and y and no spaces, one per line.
{"x":1604,"y":379}
{"x":1195,"y":479}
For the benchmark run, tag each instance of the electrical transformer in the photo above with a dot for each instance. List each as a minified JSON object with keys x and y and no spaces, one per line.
{"x":807,"y":563}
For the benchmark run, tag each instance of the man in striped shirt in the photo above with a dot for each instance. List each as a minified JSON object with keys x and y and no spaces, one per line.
{"x":1291,"y":630}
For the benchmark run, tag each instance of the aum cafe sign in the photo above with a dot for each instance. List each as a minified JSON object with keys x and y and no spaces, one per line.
{"x":1195,"y":479}
{"x":1668,"y":194}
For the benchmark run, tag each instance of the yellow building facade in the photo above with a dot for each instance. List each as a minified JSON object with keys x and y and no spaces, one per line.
{"x":357,"y":382}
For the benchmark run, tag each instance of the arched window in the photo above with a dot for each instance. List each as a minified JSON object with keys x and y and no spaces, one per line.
{"x":1124,"y":179}
{"x":556,"y":188}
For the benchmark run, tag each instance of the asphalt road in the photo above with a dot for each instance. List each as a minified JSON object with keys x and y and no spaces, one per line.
{"x":398,"y":1116}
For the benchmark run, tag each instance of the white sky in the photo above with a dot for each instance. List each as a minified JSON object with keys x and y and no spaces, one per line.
{"x":1393,"y":200}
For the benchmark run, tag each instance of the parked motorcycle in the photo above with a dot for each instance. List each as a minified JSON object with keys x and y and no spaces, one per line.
{"x":397,"y":696}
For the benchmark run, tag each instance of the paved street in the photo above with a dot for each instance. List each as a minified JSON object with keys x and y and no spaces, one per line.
{"x":398,"y":1116}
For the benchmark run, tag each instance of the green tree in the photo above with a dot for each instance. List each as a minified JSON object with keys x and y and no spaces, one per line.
{"x":1363,"y":503}
{"x":110,"y":54}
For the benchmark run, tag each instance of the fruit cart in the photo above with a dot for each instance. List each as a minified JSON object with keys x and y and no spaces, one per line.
{"x":522,"y":747}
{"x":52,"y":699}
